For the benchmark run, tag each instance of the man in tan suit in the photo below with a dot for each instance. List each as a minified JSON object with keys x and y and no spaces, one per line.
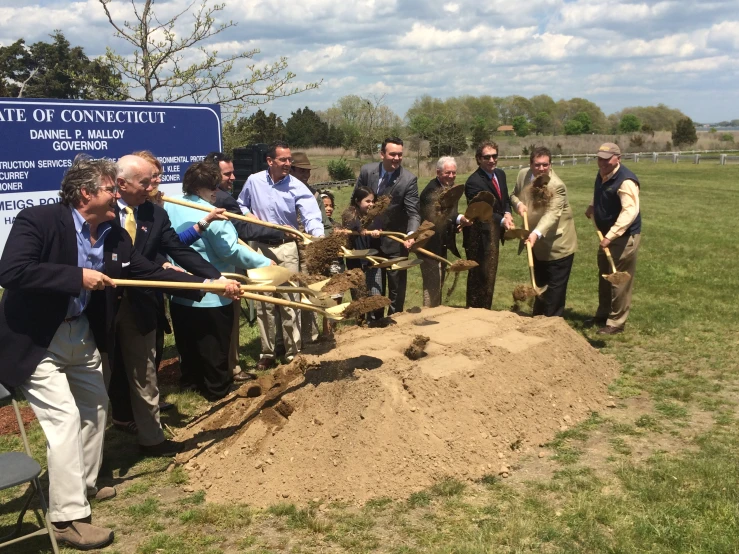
{"x":553,"y":238}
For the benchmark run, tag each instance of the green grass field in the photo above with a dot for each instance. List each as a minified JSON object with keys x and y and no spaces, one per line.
{"x":656,"y":473}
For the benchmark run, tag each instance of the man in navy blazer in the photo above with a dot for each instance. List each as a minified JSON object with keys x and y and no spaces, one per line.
{"x":402,"y":214}
{"x":133,"y":381}
{"x":481,"y":240}
{"x":56,"y":317}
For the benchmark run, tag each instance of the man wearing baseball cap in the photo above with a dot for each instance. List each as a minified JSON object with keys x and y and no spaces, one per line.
{"x":615,"y":209}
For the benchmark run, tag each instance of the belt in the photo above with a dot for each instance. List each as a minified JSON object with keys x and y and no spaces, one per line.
{"x":276,"y":242}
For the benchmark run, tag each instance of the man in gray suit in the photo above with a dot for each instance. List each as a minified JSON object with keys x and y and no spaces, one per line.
{"x":402,"y":214}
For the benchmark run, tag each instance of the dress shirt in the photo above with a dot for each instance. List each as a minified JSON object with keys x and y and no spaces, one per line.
{"x":490,"y":176}
{"x":122,"y":205}
{"x":628,"y":193}
{"x":89,"y":256}
{"x":279,"y":202}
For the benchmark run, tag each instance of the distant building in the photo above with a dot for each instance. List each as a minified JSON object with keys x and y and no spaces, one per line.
{"x":507,"y":129}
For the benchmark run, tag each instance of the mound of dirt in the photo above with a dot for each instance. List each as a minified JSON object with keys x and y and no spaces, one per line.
{"x":417,"y":349}
{"x":463,"y":265}
{"x":363,"y":421}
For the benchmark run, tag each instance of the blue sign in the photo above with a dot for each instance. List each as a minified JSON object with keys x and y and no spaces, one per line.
{"x":39,"y":138}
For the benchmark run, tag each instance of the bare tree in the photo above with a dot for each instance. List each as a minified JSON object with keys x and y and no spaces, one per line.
{"x":161,"y":67}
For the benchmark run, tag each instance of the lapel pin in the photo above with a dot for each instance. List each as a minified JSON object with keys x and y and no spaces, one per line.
{"x":115,"y":257}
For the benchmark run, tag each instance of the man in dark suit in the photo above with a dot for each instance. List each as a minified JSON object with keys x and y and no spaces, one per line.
{"x":445,"y":223}
{"x":151,"y":232}
{"x":56,"y":318}
{"x":402,"y":214}
{"x":481,"y":240}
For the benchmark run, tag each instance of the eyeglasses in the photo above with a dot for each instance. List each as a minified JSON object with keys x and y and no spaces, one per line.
{"x":488,"y":157}
{"x":110,"y":190}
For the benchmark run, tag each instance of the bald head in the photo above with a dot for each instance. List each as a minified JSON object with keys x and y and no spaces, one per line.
{"x":134,"y":179}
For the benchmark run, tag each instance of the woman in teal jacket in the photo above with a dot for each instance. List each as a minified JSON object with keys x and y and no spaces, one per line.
{"x":202,"y":330}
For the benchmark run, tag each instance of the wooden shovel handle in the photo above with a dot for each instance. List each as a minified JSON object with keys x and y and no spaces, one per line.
{"x":605,"y":248}
{"x":529,"y":253}
{"x":215,"y":286}
{"x":282,"y":302}
{"x":423,"y":251}
{"x":229,"y":215}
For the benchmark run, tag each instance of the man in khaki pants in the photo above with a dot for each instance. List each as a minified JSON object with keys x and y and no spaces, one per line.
{"x":553,"y":237}
{"x":615,"y":208}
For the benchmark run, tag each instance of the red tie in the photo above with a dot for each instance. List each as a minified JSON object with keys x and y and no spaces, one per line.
{"x":497,"y":187}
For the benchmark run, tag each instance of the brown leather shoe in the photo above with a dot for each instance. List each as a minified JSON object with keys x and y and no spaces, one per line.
{"x":610,"y":330}
{"x":82,"y":536}
{"x":103,"y":494}
{"x":265,"y":363}
{"x":243,"y":377}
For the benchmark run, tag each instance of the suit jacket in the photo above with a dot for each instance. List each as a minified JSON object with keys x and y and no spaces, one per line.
{"x":403,"y":213}
{"x":555,"y":222}
{"x":479,"y":182}
{"x":39,"y":271}
{"x":246,"y":231}
{"x":155,"y":239}
{"x":445,"y":236}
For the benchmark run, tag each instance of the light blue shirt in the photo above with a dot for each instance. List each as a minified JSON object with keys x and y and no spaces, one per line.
{"x":218,"y":244}
{"x":280,"y":202}
{"x":89,"y":256}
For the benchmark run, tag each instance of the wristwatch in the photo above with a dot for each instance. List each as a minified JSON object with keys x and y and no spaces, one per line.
{"x":203,"y":224}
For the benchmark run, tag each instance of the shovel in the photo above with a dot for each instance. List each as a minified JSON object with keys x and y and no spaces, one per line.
{"x":453,"y":266}
{"x":334,"y":312}
{"x":616,"y":277}
{"x":538,"y":290}
{"x":522,"y":234}
{"x":393,"y":263}
{"x":449,"y":197}
{"x":479,"y":211}
{"x":307,"y":239}
{"x":346,"y":253}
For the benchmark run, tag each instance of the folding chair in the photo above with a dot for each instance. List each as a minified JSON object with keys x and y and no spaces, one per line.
{"x":17,"y":468}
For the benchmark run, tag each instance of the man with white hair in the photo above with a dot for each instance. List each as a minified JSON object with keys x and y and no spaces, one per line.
{"x":446,"y":225}
{"x":152,"y":235}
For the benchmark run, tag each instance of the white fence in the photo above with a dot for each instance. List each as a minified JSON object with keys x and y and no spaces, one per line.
{"x":722,"y":157}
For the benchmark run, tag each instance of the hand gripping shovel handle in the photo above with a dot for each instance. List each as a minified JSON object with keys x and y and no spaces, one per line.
{"x":306,"y":239}
{"x":530,"y":256}
{"x":605,"y":248}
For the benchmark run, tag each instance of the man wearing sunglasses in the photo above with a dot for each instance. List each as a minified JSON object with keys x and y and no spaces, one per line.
{"x":481,"y":240}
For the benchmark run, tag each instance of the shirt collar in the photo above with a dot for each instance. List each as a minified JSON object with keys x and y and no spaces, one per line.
{"x":272,"y":183}
{"x":81,"y":224}
{"x":612,"y":173}
{"x":490,"y":175}
{"x":122,"y":204}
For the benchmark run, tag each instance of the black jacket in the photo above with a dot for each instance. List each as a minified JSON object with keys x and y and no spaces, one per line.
{"x":39,"y":271}
{"x":156,"y":239}
{"x":479,"y":182}
{"x":445,"y":235}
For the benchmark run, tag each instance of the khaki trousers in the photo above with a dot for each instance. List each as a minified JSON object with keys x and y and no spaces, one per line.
{"x":432,"y":273}
{"x":67,"y":394}
{"x":614,"y":302}
{"x":275,"y":319}
{"x":138,"y":353}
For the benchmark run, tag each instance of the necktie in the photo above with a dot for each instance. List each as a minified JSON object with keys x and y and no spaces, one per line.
{"x":130,"y":223}
{"x":497,"y":187}
{"x":383,"y":184}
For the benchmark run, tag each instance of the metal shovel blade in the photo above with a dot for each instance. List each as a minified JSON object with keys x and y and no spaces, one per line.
{"x":381,"y":263}
{"x":479,"y":211}
{"x":406,"y":264}
{"x":617,"y":278}
{"x":510,"y":234}
{"x":359,"y":253}
{"x":273,"y":274}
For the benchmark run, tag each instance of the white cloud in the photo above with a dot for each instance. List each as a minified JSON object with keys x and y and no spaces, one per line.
{"x":615,"y":54}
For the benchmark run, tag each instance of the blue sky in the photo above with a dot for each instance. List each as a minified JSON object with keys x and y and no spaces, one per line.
{"x":684,"y":54}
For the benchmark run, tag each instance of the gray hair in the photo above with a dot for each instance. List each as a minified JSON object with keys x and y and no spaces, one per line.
{"x":85,"y":173}
{"x":444,"y":160}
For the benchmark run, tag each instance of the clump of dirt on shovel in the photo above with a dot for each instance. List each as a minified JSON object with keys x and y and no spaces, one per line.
{"x":422,"y":228}
{"x":365,"y":305}
{"x":522,"y":293}
{"x":376,"y":211}
{"x":417,"y":348}
{"x":342,"y":282}
{"x":321,"y":252}
{"x":447,"y":200}
{"x":541,"y":195}
{"x":462,"y":265}
{"x":304,"y":279}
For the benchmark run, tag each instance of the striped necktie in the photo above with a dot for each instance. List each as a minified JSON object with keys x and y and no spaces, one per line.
{"x":130,"y":223}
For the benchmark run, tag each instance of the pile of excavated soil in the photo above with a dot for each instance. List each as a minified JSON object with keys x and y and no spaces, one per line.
{"x":363,"y":421}
{"x":342,"y":282}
